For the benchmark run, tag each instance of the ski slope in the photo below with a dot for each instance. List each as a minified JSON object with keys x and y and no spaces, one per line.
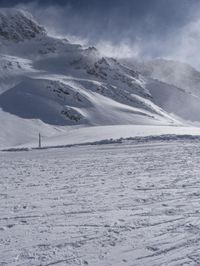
{"x":118,"y":204}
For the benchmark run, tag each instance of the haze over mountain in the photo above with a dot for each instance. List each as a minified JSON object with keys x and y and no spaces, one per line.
{"x":49,"y":85}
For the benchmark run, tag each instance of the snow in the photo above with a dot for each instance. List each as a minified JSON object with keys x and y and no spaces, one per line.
{"x":132,"y":202}
{"x":18,"y":25}
{"x":16,"y":131}
{"x":174,"y":73}
{"x":175,"y":100}
{"x":55,"y":87}
{"x":91,"y":135}
{"x":118,"y":204}
{"x":82,"y":135}
{"x":174,"y":86}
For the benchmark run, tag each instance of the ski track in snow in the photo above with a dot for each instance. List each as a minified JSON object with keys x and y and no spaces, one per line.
{"x":118,"y":204}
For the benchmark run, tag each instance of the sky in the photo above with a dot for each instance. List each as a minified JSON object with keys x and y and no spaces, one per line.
{"x":123,"y":28}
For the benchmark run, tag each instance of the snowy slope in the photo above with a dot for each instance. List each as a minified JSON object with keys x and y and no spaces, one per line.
{"x":17,"y":25}
{"x":175,"y":100}
{"x":53,"y":83}
{"x":48,"y":84}
{"x":109,"y":134}
{"x":116,"y":205}
{"x":174,"y":86}
{"x":176,"y":73}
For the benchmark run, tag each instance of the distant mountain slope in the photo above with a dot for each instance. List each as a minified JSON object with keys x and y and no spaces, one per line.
{"x":175,"y":100}
{"x":179,"y":74}
{"x":174,"y":86}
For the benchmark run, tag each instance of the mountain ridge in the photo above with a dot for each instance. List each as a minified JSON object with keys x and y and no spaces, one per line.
{"x":18,"y":25}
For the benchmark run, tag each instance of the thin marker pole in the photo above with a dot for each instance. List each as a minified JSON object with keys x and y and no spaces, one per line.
{"x":39,"y":144}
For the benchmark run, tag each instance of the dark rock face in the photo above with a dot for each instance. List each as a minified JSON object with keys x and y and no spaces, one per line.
{"x":17,"y":25}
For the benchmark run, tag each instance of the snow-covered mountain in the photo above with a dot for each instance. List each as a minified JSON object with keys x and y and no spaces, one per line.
{"x":173,"y":85}
{"x":48,"y":85}
{"x":176,"y":73}
{"x":17,"y":25}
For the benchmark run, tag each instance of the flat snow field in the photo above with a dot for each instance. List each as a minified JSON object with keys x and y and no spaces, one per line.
{"x":118,"y":204}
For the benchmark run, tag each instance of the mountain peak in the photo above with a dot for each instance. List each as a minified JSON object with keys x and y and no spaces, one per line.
{"x":18,"y":25}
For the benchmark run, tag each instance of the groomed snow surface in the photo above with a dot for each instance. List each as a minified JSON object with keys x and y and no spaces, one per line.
{"x":119,"y":204}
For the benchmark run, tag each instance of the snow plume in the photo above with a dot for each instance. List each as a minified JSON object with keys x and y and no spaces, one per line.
{"x":187,"y":43}
{"x":167,"y":28}
{"x":63,"y":22}
{"x":122,"y":50}
{"x":50,"y":16}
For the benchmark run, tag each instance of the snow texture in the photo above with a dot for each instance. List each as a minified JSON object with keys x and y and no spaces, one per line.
{"x":118,"y":204}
